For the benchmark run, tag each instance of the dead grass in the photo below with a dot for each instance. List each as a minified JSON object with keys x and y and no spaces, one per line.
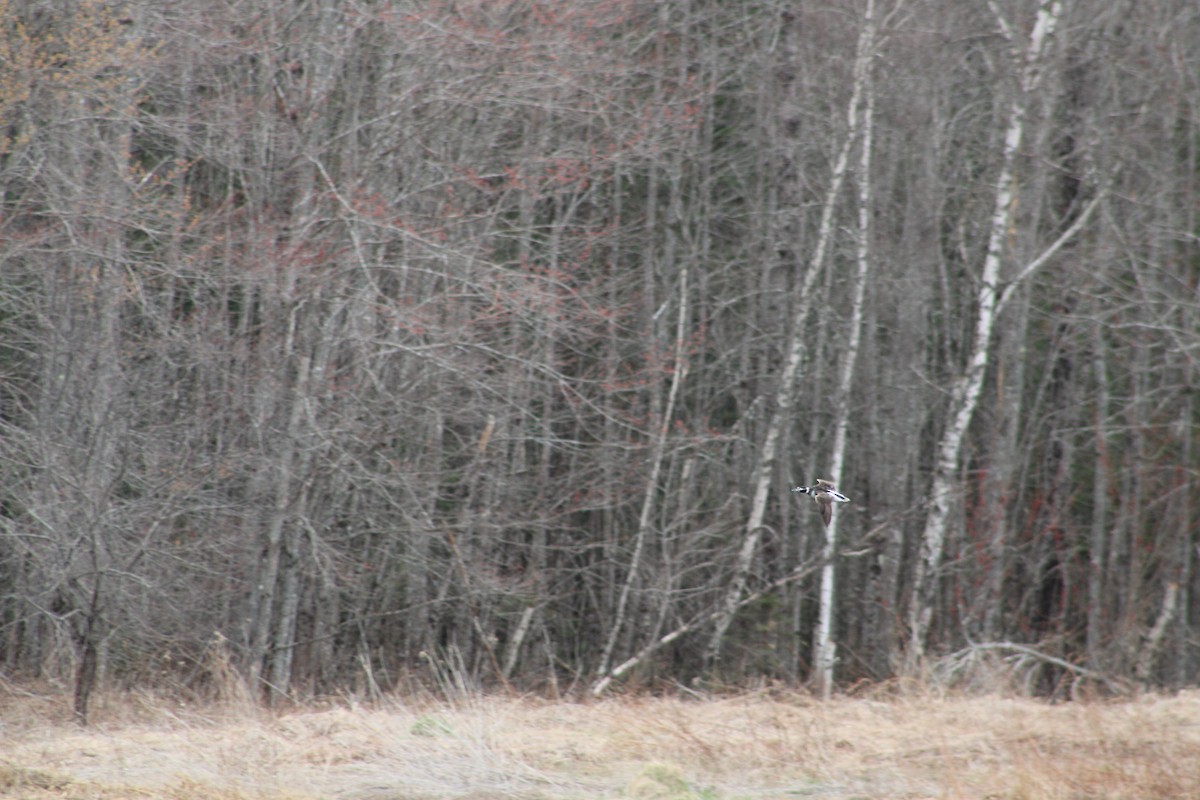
{"x":753,"y":746}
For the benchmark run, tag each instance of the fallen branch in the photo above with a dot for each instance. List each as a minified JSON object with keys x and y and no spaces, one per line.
{"x":1024,"y":652}
{"x":799,"y":573}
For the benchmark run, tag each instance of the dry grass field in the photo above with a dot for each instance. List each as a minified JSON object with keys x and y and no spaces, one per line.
{"x":766,"y":745}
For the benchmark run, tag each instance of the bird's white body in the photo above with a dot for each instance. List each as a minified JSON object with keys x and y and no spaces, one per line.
{"x":825,"y":495}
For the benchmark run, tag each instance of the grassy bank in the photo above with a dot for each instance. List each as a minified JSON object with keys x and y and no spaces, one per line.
{"x":752,"y":746}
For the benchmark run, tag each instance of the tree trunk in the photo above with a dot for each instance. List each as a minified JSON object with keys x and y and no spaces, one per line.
{"x":275,"y":598}
{"x":964,"y":395}
{"x":765,"y":463}
{"x":661,"y":433}
{"x":1101,"y":480}
{"x":87,"y":641}
{"x":824,"y":645}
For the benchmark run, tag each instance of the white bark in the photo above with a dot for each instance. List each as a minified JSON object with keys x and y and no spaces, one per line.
{"x":599,"y":687}
{"x":824,"y":646}
{"x":1154,"y":639}
{"x":518,"y":638}
{"x":679,"y":370}
{"x":783,"y":394}
{"x":964,"y":396}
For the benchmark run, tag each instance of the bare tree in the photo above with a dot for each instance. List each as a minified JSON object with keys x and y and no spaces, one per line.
{"x":964,"y":395}
{"x":490,"y":334}
{"x":862,"y":120}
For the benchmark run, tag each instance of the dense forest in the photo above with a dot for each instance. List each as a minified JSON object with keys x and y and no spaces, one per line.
{"x":350,"y":345}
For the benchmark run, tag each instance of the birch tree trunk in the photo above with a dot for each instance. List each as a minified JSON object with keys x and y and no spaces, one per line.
{"x":678,"y":372}
{"x":964,"y":395}
{"x":824,"y":646}
{"x":765,"y":462}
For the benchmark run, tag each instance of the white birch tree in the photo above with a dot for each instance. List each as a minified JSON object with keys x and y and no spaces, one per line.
{"x":764,"y":464}
{"x":964,"y":394}
{"x":824,"y":645}
{"x":661,"y":433}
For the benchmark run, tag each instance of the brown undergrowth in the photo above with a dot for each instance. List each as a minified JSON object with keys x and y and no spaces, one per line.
{"x":762,"y":745}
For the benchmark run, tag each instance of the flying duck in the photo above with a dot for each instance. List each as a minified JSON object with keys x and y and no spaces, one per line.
{"x":825,"y":495}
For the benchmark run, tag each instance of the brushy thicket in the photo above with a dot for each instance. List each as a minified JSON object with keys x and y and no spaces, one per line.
{"x":341,"y":341}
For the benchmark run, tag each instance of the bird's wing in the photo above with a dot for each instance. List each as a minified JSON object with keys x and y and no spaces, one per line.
{"x":826,"y":512}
